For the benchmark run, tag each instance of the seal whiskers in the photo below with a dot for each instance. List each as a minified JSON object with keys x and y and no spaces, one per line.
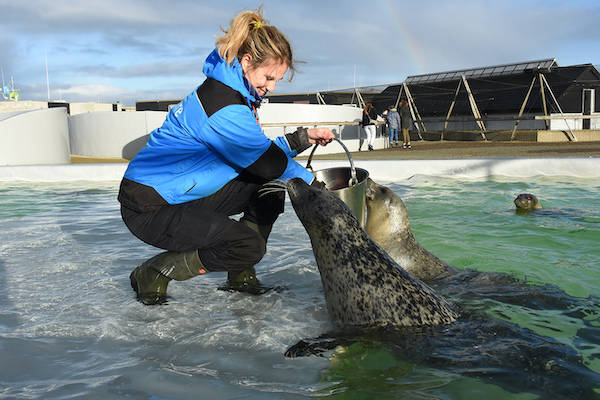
{"x":272,"y":187}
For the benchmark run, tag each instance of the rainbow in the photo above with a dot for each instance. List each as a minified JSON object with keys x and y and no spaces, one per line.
{"x":415,"y":55}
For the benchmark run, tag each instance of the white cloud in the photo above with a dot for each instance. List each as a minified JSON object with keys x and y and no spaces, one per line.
{"x":155,"y":44}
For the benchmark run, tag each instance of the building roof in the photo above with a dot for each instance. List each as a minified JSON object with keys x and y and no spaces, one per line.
{"x":497,"y":89}
{"x":495,"y":70}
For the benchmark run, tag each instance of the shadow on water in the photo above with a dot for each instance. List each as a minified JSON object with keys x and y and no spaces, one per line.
{"x":8,"y":319}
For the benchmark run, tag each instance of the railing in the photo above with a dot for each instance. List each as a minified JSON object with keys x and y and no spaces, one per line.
{"x":568,"y":116}
{"x":313,"y":124}
{"x":570,"y":135}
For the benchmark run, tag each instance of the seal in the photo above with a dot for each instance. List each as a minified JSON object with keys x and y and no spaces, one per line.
{"x":527,"y":202}
{"x":363,"y":285}
{"x":388,"y":225}
{"x":365,"y":288}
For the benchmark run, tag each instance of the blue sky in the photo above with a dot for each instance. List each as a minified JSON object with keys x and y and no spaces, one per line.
{"x":128,"y":50}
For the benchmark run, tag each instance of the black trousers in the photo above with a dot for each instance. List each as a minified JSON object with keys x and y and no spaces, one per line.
{"x":223,"y":243}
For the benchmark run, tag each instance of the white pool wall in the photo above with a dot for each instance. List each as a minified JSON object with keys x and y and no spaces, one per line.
{"x":382,"y":170}
{"x":50,"y":136}
{"x":112,"y":134}
{"x":34,"y":137}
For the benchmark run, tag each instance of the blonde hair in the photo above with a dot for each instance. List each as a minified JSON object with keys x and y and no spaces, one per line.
{"x":250,"y":33}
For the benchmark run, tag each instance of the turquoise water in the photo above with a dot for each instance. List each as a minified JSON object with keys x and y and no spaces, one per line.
{"x":70,"y":326}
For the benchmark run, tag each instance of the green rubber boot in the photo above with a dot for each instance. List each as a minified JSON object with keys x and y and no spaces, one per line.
{"x":246,"y":281}
{"x":150,"y":280}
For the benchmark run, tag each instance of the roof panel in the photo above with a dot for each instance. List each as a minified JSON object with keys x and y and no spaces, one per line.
{"x":484,"y":71}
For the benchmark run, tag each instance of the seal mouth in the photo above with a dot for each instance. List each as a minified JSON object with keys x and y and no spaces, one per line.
{"x":370,"y":189}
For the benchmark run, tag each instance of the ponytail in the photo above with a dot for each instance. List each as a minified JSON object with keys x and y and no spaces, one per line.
{"x":250,"y":33}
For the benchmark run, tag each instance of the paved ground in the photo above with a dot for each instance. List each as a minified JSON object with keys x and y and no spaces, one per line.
{"x":449,"y":150}
{"x":472,"y":149}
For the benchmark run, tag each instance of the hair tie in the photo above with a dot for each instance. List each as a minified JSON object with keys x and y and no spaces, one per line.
{"x":257,"y":25}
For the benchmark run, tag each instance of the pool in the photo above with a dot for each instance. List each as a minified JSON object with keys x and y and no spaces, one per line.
{"x":70,"y":326}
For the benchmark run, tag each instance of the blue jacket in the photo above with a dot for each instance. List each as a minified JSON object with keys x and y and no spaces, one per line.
{"x":210,"y":137}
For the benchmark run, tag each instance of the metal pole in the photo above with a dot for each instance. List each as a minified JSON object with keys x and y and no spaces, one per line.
{"x":474,"y":108}
{"x":398,"y":98}
{"x":451,"y":108}
{"x":361,"y":101}
{"x":320,"y":98}
{"x":47,"y":80}
{"x":543,"y":94}
{"x":514,"y":132}
{"x":411,"y":103}
{"x":572,"y":138}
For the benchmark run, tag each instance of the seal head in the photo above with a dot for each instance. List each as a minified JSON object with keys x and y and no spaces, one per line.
{"x":527,"y":202}
{"x":389,"y":226}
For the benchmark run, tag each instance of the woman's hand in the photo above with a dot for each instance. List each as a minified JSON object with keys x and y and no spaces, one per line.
{"x":322,"y":136}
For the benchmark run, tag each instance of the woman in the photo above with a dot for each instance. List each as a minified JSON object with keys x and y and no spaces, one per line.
{"x":368,"y":123}
{"x":207,"y":162}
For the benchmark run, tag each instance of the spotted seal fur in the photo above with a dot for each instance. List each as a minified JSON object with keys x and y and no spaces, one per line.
{"x":363,"y":285}
{"x":389,"y":226}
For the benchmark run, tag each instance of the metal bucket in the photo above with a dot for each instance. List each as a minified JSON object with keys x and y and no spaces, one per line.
{"x":347,"y":183}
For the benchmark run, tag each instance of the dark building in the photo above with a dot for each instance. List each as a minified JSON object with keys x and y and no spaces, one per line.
{"x":155,"y":105}
{"x":483,"y":99}
{"x":501,"y":93}
{"x":335,"y":97}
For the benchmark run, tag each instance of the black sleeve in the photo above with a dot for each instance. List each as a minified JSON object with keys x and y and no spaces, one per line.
{"x":298,"y":140}
{"x":270,"y":165}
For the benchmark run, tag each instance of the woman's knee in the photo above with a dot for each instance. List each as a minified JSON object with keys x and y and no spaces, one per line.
{"x":239,"y":249}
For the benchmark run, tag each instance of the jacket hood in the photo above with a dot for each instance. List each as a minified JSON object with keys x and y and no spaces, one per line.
{"x":232,"y":75}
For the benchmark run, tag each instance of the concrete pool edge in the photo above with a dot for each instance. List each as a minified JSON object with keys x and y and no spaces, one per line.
{"x":384,"y":170}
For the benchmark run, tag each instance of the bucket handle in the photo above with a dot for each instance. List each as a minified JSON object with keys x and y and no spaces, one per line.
{"x":353,"y":180}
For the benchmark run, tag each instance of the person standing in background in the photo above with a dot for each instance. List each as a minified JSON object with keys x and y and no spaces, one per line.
{"x":384,"y":127}
{"x":393,"y":120}
{"x":368,"y":123}
{"x":406,"y":121}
